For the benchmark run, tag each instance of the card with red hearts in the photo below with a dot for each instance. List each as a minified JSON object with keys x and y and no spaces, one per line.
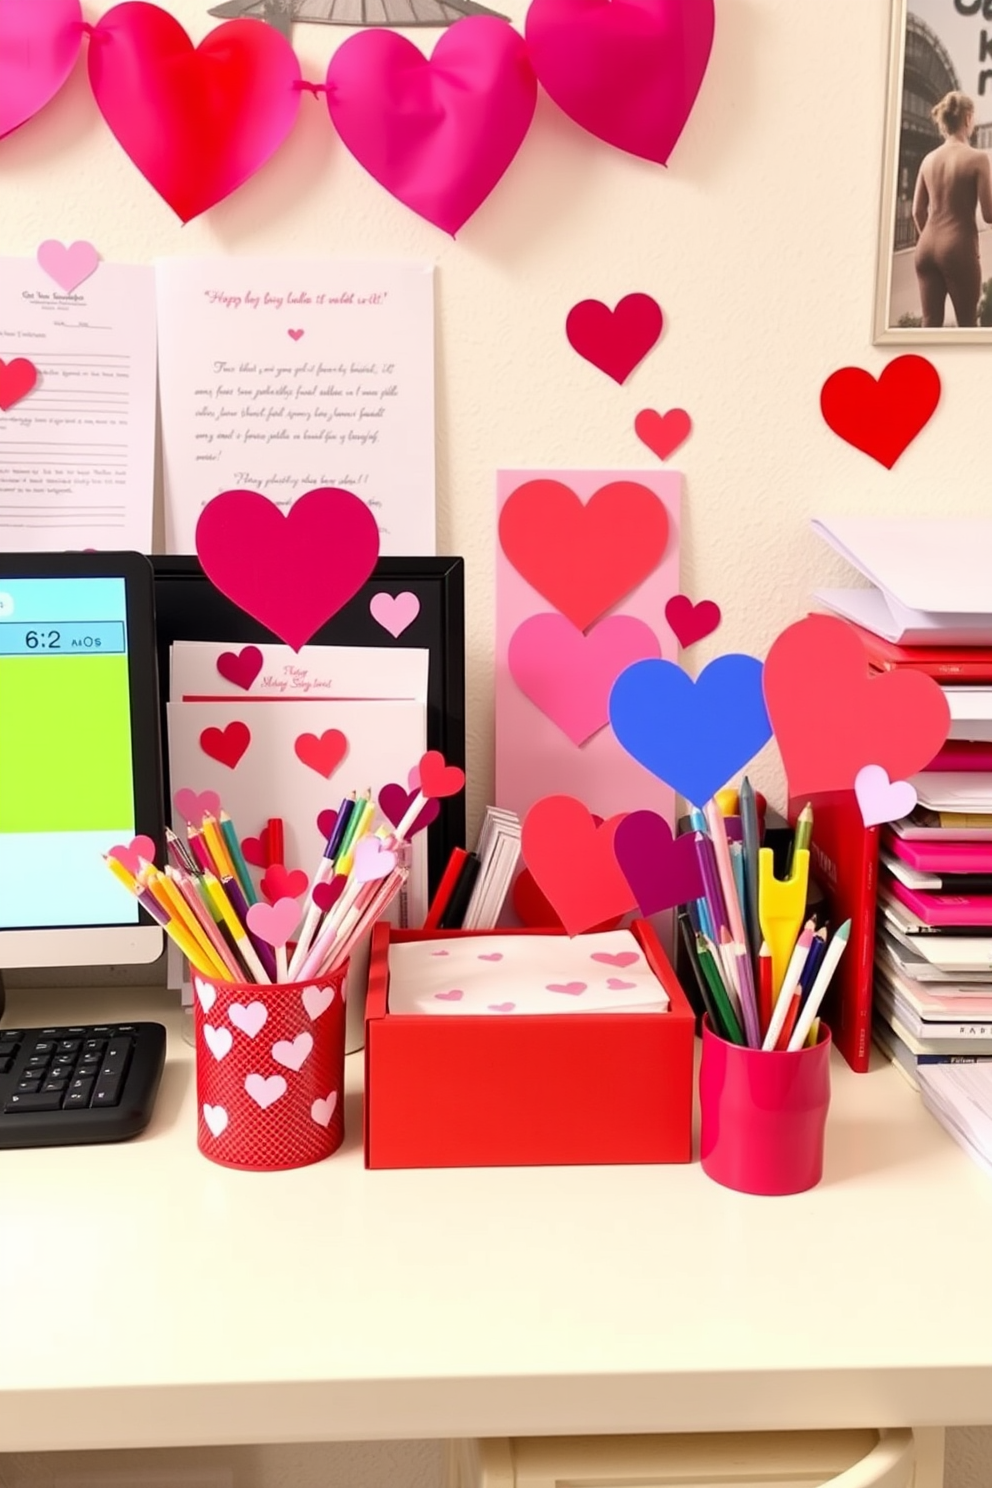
{"x":309,"y":727}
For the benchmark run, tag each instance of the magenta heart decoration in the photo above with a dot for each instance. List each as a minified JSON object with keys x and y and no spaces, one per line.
{"x":39,"y":44}
{"x":691,"y":622}
{"x":128,"y":854}
{"x":193,"y":806}
{"x":67,"y":266}
{"x":568,"y":675}
{"x":326,"y":821}
{"x":290,"y":571}
{"x":395,"y":802}
{"x":240,"y":667}
{"x":627,"y":71}
{"x":371,"y":860}
{"x":274,"y":923}
{"x":662,"y":871}
{"x":197,"y":121}
{"x":437,"y":133}
{"x":326,"y":894}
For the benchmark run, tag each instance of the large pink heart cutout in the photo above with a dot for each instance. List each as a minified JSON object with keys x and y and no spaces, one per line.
{"x":628,"y":71}
{"x":39,"y":43}
{"x":290,"y":571}
{"x":437,"y":133}
{"x":196,"y":121}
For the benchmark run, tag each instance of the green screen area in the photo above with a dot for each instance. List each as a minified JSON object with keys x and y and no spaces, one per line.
{"x":65,"y":744}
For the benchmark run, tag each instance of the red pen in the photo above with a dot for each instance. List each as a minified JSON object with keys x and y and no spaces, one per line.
{"x":765,"y":1000}
{"x":275,"y":851}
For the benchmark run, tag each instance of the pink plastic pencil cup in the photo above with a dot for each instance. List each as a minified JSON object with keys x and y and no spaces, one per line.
{"x":763,"y":1115}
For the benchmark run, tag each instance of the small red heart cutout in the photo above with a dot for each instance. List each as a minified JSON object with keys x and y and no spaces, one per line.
{"x":256,"y":849}
{"x":17,"y":378}
{"x":283,"y":883}
{"x":437,"y":779}
{"x":240,"y":667}
{"x":881,"y":416}
{"x":325,"y":895}
{"x":323,"y":752}
{"x":615,"y":341}
{"x":691,"y":622}
{"x":663,"y":432}
{"x":226,"y":745}
{"x":326,"y":821}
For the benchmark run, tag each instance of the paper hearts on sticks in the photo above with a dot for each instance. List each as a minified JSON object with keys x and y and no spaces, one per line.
{"x":438,"y":779}
{"x":274,"y":923}
{"x":395,"y":801}
{"x":583,"y":556}
{"x":279,"y":882}
{"x":628,"y":71}
{"x":196,"y":121}
{"x":39,"y":44}
{"x":662,"y":870}
{"x":831,"y":717}
{"x":693,"y":735}
{"x":437,"y":133}
{"x":881,"y":416}
{"x":290,"y":571}
{"x":615,"y":341}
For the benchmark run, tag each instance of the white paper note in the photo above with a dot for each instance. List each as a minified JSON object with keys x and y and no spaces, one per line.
{"x":280,"y":376}
{"x":502,"y":975}
{"x":77,"y":454}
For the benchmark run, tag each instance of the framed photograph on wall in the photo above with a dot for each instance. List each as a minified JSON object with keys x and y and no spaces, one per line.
{"x":934,"y":281}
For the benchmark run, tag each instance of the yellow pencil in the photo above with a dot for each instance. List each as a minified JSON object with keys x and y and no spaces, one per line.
{"x":171,"y":899}
{"x":225,"y":908}
{"x":218,"y":847}
{"x":121,"y":873}
{"x":161,"y":916}
{"x":343,"y":864}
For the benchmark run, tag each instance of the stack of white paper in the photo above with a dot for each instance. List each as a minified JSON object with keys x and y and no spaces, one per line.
{"x":498,"y":851}
{"x":960,"y":1097}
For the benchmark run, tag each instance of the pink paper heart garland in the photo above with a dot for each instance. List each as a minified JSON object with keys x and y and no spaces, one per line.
{"x":197,"y":121}
{"x":437,"y":133}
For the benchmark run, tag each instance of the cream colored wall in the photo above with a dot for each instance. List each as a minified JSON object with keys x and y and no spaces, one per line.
{"x":759,"y":242}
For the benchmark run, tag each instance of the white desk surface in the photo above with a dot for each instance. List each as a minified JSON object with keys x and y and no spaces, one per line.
{"x":149,"y":1297}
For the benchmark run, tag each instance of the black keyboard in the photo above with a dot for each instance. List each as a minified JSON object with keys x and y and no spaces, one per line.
{"x":96,"y":1083}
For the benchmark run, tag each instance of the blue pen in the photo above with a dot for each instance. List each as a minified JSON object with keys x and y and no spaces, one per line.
{"x":345,"y":811}
{"x":814,"y":956}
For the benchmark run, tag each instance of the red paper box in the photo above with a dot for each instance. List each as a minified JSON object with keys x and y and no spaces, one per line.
{"x":488,"y":1092}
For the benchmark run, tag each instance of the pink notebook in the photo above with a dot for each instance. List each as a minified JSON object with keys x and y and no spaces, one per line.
{"x":943,"y":909}
{"x":942,"y":857}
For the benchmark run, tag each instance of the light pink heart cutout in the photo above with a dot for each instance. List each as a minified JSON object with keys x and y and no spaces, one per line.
{"x":193,"y":806}
{"x":568,"y":675}
{"x":274,"y":923}
{"x":293,"y":1053}
{"x":616,"y":985}
{"x":316,"y":1000}
{"x":628,"y":71}
{"x":394,"y":612}
{"x":881,"y":799}
{"x":455,"y":995}
{"x":572,"y":989}
{"x":323,"y":1109}
{"x":250,"y":1018}
{"x":129,"y":853}
{"x":440,"y":953}
{"x":39,"y":44}
{"x":502,"y":1007}
{"x":371,"y":861}
{"x":68,"y":266}
{"x":265,"y":1092}
{"x":275,"y":566}
{"x":438,"y":134}
{"x":615,"y":958}
{"x":295,"y":335}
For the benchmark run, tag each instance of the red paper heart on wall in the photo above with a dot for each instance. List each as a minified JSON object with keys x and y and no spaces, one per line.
{"x":226,"y":745}
{"x":196,"y":121}
{"x":881,"y":416}
{"x":615,"y":341}
{"x":830,"y":717}
{"x":574,"y":863}
{"x":583,"y":557}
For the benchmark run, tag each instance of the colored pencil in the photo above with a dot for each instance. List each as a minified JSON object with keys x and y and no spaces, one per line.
{"x":751,"y":842}
{"x":764,"y":987}
{"x":245,"y":948}
{"x":801,"y":837}
{"x":180,"y":853}
{"x":122,"y":874}
{"x":241,"y":870}
{"x":239,"y":904}
{"x":745,"y":971}
{"x":811,"y":1007}
{"x":176,"y":931}
{"x":187,"y":888}
{"x":708,"y":966}
{"x":789,"y":984}
{"x":198,"y":848}
{"x":218,"y":846}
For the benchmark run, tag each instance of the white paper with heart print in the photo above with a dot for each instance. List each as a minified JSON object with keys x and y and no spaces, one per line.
{"x":493,"y":975}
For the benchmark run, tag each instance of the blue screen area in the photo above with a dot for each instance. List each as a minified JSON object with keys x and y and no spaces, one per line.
{"x":66,"y":771}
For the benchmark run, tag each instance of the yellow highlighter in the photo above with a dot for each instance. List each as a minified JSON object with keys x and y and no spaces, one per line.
{"x":781,"y":908}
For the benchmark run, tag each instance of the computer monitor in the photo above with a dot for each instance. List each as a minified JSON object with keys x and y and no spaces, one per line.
{"x":80,"y":756}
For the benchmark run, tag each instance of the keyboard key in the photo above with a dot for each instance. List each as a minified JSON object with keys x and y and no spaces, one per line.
{"x":30,"y":1085}
{"x":43,"y":1100}
{"x":94,"y":1046}
{"x":11,"y":1035}
{"x":68,"y":1046}
{"x":126,"y":1028}
{"x":37,"y":1061}
{"x":63,"y":1061}
{"x":7,"y":1047}
{"x":54,"y":1085}
{"x":99,"y":1028}
{"x":90,"y":1061}
{"x":78,"y":1098}
{"x":44,"y":1046}
{"x":108,"y":1088}
{"x":5,"y":1066}
{"x":77,"y":1032}
{"x":118,"y":1053}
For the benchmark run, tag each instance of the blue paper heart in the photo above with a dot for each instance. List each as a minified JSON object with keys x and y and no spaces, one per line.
{"x":694,"y":736}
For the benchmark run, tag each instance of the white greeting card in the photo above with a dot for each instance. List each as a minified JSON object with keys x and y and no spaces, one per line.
{"x":77,"y":452}
{"x":282,"y":375}
{"x":503,"y":975}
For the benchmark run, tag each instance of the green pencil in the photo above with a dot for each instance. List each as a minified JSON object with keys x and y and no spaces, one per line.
{"x":710,"y":970}
{"x":237,"y":858}
{"x":802,"y":836}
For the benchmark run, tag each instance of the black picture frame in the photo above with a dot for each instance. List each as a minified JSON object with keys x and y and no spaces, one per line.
{"x":189,"y":608}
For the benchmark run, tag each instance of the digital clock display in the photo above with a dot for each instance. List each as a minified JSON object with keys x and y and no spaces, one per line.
{"x":66,"y":776}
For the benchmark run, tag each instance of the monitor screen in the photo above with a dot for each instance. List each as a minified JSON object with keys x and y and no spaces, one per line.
{"x":69,"y":748}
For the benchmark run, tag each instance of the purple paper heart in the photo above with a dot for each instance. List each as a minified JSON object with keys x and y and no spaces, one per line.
{"x":395,"y":802}
{"x":660,"y":870}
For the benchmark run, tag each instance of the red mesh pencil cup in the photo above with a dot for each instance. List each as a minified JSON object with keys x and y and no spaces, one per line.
{"x":763,"y":1115}
{"x":269,"y":1071}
